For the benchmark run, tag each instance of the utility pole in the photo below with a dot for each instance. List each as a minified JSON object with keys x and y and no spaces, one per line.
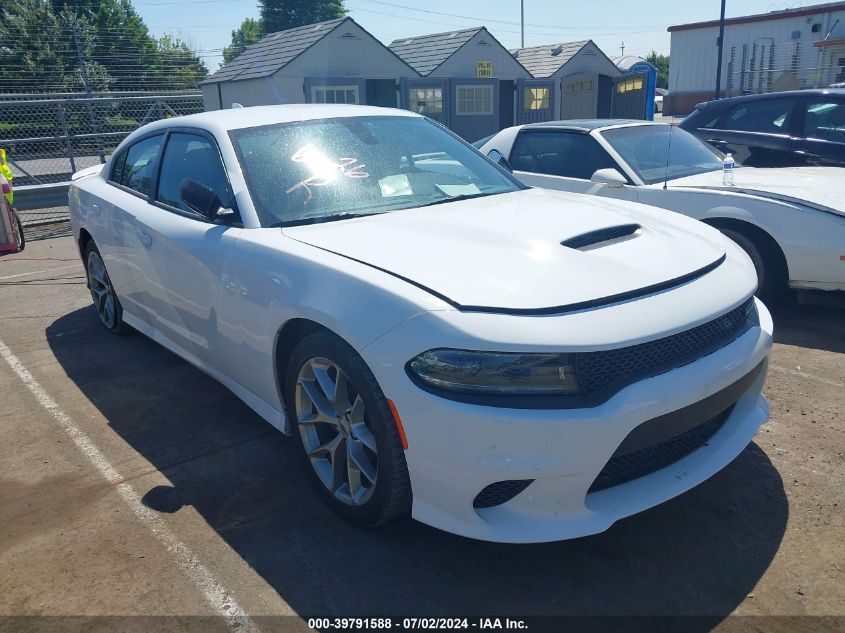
{"x":240,"y":41}
{"x":86,"y":84}
{"x":721,"y":43}
{"x":623,"y":48}
{"x":522,"y":22}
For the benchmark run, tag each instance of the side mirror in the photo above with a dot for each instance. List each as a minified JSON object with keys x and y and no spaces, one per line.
{"x":202,"y":199}
{"x":497,"y":157}
{"x":610,"y":177}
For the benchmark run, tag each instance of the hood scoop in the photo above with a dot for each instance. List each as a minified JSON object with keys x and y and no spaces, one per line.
{"x":586,"y":241}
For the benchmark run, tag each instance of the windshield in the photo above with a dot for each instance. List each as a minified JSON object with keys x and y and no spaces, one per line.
{"x":329,"y":169}
{"x":645,"y":149}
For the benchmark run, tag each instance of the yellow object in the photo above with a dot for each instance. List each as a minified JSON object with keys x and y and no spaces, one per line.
{"x":483,"y":69}
{"x":7,"y":173}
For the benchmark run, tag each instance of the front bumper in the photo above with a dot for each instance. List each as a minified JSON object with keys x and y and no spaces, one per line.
{"x":456,"y":449}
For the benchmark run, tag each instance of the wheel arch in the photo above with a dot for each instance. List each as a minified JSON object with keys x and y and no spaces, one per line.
{"x":757,"y":235}
{"x":82,"y":241}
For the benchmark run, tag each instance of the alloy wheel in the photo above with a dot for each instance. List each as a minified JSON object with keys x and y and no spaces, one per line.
{"x":332,"y":421}
{"x":101,"y":289}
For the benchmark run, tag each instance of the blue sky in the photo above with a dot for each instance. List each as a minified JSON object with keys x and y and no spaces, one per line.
{"x":207,"y":24}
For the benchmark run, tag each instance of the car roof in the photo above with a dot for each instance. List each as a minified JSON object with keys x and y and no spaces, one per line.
{"x":588,"y":125}
{"x":238,"y":118}
{"x":813,"y":92}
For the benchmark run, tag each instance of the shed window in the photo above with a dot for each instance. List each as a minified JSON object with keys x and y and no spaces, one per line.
{"x":426,"y":100}
{"x":629,"y":85}
{"x":475,"y":100}
{"x":535,"y":98}
{"x":579,"y":86}
{"x":334,"y":94}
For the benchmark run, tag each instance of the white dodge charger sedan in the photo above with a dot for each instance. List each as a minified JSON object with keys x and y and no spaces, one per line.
{"x":790,"y":221}
{"x":505,"y":363}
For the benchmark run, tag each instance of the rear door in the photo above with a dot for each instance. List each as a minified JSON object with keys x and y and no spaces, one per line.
{"x":185,"y":253}
{"x":758,"y":132}
{"x":821,"y":133}
{"x":564,"y":160}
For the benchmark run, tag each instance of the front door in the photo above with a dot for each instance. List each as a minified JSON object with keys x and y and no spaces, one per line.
{"x":579,"y":98}
{"x":564,"y":160}
{"x":821,"y":132}
{"x":426,"y":96}
{"x":474,"y":107}
{"x":535,"y":101}
{"x":186,"y":253}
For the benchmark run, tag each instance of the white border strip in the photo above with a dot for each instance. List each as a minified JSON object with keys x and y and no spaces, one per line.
{"x":211,"y":589}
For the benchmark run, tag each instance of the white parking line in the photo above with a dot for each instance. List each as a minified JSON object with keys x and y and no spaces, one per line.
{"x":212,"y":590}
{"x":796,"y":372}
{"x":38,"y":272}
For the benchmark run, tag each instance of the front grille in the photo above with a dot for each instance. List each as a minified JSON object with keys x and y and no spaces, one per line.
{"x":500,"y":492}
{"x":623,"y":468}
{"x":598,"y":371}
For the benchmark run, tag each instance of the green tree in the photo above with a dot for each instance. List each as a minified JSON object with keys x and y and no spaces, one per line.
{"x":279,"y":15}
{"x":249,"y":32}
{"x":661,"y":63}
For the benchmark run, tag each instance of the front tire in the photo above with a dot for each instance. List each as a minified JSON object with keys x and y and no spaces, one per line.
{"x":341,"y":420}
{"x":770,"y":276}
{"x":102,"y":291}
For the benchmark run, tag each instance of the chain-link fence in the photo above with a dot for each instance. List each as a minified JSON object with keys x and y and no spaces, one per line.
{"x":48,"y":139}
{"x":767,"y":66}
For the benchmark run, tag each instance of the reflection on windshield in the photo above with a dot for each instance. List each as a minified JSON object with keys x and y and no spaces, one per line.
{"x":649,"y":152}
{"x":315,"y":171}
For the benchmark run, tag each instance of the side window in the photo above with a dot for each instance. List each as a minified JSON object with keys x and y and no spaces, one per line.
{"x":138,"y":169}
{"x":191,"y":157}
{"x":824,"y":119}
{"x":570,"y":154}
{"x":117,"y":166}
{"x":765,"y":115}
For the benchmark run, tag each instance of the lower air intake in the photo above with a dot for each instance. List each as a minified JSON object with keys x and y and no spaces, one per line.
{"x":500,"y":492}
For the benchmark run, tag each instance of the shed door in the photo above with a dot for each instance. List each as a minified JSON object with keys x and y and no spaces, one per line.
{"x":630,"y":93}
{"x":427,"y":96}
{"x":535,"y":101}
{"x":474,"y":107}
{"x":579,"y":96}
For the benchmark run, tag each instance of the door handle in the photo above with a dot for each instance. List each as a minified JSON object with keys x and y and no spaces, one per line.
{"x":146,"y":239}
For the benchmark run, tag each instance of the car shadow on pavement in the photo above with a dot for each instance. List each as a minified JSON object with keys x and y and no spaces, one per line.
{"x":809,"y":326}
{"x":699,"y":554}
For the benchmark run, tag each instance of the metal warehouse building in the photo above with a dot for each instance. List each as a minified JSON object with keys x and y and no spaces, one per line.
{"x":781,"y":50}
{"x":465,"y":79}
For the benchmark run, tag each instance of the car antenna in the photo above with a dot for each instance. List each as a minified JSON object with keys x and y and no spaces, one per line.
{"x":669,"y":146}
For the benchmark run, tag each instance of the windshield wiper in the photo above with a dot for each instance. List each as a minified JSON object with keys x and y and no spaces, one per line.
{"x":463,"y":196}
{"x":322,"y":218}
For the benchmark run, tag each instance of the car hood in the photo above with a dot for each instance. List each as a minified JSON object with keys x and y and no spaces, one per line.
{"x":504,"y":252}
{"x":819,"y":187}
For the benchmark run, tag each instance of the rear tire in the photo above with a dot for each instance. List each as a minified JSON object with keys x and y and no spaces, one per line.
{"x":21,"y":236}
{"x":341,"y":420}
{"x":771,"y":278}
{"x":102,"y":291}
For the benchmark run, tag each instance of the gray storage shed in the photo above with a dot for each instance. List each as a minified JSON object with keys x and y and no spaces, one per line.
{"x":572,"y":80}
{"x":329,"y":62}
{"x":468,"y":80}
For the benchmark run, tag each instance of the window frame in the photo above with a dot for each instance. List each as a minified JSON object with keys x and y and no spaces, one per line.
{"x":458,"y":88}
{"x":789,"y":125}
{"x":206,"y":135}
{"x":121,"y":160}
{"x":527,"y":132}
{"x":806,"y":100}
{"x":151,"y":199}
{"x":335,"y":88}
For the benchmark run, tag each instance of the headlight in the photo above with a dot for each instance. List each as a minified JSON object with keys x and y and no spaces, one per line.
{"x":496,"y":373}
